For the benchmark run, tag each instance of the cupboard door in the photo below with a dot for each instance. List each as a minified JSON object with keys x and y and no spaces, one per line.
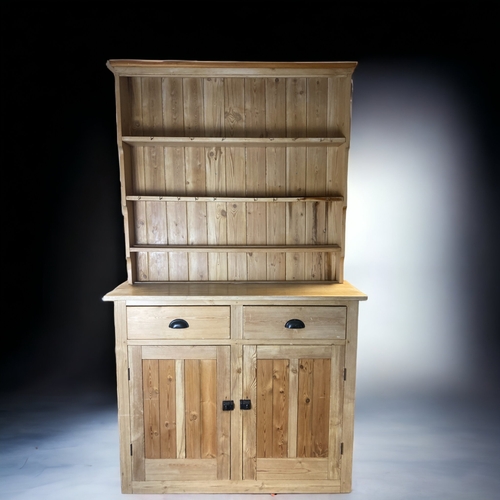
{"x":293,"y":429}
{"x":178,"y":428}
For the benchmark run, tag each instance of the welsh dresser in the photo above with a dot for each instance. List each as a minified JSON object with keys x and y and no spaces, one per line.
{"x":236,"y":333}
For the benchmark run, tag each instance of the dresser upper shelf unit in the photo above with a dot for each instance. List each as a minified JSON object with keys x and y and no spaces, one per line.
{"x":233,"y":171}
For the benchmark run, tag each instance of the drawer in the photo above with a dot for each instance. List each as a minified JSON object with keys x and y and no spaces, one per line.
{"x":173,"y":322}
{"x":294,"y":322}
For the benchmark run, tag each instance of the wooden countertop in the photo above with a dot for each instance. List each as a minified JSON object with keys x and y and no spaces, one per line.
{"x":234,"y":291}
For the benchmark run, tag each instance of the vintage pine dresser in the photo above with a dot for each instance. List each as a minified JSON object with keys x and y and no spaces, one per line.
{"x":236,"y":334}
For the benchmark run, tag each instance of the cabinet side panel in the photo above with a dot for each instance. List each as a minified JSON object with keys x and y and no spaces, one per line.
{"x":122,"y":365}
{"x":336,"y":407}
{"x":349,"y":394}
{"x":136,"y":413}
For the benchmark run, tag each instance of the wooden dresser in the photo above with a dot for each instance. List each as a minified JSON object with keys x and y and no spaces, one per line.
{"x":236,"y":333}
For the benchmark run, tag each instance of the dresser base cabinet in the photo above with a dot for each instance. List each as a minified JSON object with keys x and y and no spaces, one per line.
{"x":236,"y":388}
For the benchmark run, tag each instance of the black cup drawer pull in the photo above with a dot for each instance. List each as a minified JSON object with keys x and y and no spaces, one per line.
{"x":178,"y":323}
{"x":295,"y":323}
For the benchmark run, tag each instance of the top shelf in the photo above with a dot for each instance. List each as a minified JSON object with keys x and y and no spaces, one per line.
{"x":260,"y":142}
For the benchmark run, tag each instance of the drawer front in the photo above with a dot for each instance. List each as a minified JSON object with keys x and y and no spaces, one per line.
{"x":294,"y":322}
{"x":173,"y":322}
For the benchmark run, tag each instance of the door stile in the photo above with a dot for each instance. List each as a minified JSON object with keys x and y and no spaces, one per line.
{"x":249,"y":417}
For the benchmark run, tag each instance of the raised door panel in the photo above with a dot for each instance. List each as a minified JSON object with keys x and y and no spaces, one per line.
{"x":293,"y":430}
{"x":178,"y":428}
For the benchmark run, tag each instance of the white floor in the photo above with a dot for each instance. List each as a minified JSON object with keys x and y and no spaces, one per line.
{"x":56,"y":447}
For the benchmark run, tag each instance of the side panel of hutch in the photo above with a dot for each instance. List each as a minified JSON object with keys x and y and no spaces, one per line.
{"x":236,"y":333}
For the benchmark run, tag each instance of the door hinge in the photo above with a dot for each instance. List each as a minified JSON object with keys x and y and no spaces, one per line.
{"x":131,"y":451}
{"x":345,"y":374}
{"x":129,"y":373}
{"x":341,"y":448}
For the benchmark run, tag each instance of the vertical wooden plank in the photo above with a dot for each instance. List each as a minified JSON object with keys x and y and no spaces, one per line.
{"x":217,"y":235}
{"x":195,"y":171}
{"x":135,"y":95}
{"x":213,"y":106}
{"x":196,"y":215}
{"x":172,"y":107}
{"x":336,"y":401}
{"x":305,"y":419}
{"x":215,"y":171}
{"x":177,"y":235}
{"x":264,"y":403}
{"x":137,"y":435}
{"x":123,"y":396}
{"x":197,"y":235}
{"x":152,"y":116}
{"x":236,"y":235}
{"x":234,"y":126}
{"x":339,"y":124}
{"x":180,"y":407}
{"x":321,"y":407}
{"x":157,"y":234}
{"x":175,"y":175}
{"x":124,"y":99}
{"x":140,"y":215}
{"x":255,"y":126}
{"x":280,"y":408}
{"x":276,"y":107}
{"x":193,"y":408}
{"x":208,"y":393}
{"x":293,"y":407}
{"x":235,"y":171}
{"x":237,"y":394}
{"x":276,"y":212}
{"x":316,"y":227}
{"x":334,"y":224}
{"x":234,"y":107}
{"x":296,"y":115}
{"x":256,"y":222}
{"x":168,"y":445}
{"x":223,"y":381}
{"x":249,"y":417}
{"x":349,"y":395}
{"x":193,"y":107}
{"x":195,"y":174}
{"x":316,"y":181}
{"x":295,"y":235}
{"x":150,"y":381}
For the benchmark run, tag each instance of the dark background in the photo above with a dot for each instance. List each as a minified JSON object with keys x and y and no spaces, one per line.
{"x":62,"y":240}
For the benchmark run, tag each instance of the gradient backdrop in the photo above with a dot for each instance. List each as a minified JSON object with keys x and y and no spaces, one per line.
{"x":423,"y":206}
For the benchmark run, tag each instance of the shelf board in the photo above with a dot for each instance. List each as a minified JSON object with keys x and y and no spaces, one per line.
{"x":236,"y":248}
{"x":261,"y":142}
{"x":238,"y":199}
